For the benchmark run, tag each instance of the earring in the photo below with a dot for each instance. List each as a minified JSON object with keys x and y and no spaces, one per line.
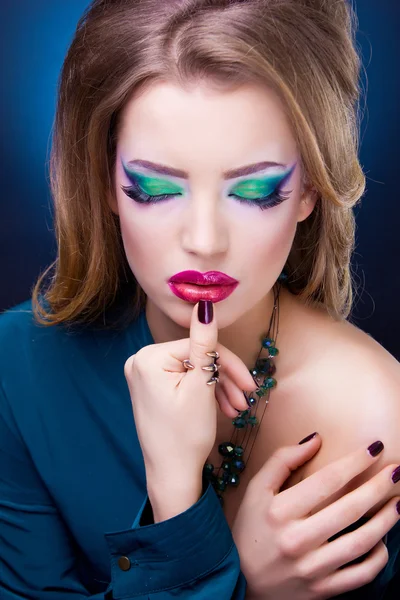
{"x":283,"y":277}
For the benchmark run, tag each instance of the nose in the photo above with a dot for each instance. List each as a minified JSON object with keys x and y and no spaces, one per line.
{"x":205,"y":232}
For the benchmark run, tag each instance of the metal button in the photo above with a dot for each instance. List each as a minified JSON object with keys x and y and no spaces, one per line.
{"x":124,"y":563}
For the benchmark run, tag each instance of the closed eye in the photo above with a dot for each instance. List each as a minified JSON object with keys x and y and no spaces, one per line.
{"x":262,"y":193}
{"x":276,"y":197}
{"x":136,"y":193}
{"x":264,"y":202}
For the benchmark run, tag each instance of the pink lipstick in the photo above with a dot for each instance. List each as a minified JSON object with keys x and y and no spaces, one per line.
{"x":193,"y":286}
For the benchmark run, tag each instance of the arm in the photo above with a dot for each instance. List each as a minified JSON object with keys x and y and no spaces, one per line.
{"x":366,"y":408}
{"x":191,"y":555}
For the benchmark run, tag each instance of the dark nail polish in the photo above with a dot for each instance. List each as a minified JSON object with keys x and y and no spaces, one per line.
{"x":249,"y":404}
{"x":308,"y":438}
{"x":205,"y":311}
{"x":396,"y":475}
{"x":398,"y":507}
{"x":375,"y":448}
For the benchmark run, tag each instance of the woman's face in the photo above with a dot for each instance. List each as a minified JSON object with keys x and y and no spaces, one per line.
{"x":205,"y":216}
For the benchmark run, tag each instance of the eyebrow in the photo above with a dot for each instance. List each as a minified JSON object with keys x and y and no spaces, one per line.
{"x":231,"y":174}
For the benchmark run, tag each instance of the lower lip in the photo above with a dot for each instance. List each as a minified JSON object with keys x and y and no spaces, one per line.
{"x":193,"y":293}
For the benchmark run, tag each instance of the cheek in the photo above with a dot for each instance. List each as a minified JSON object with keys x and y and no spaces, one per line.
{"x":268,"y":236}
{"x":143,"y":237}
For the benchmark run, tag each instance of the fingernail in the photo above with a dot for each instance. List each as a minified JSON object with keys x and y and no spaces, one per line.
{"x":308,"y":438}
{"x":398,"y":507}
{"x":205,"y":311}
{"x":254,"y":379}
{"x":396,"y":475}
{"x":249,"y":404}
{"x":375,"y":448}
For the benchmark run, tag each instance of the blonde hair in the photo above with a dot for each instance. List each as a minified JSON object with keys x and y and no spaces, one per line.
{"x":304,"y":49}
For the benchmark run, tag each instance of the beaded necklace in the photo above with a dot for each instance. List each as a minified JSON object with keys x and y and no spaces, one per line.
{"x":233,"y":452}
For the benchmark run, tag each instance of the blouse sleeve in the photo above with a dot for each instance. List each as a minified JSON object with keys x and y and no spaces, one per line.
{"x":191,"y":555}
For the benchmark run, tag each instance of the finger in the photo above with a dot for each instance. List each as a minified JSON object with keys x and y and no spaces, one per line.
{"x":356,"y":576}
{"x":225,"y":405}
{"x":203,"y":340}
{"x":235,"y":395}
{"x":235,"y":369}
{"x":348,"y":509}
{"x":282,"y":462}
{"x":351,"y":545}
{"x":303,"y":497}
{"x":179,"y":350}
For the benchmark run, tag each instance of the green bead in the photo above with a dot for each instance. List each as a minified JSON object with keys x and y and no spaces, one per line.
{"x":226,"y":449}
{"x":239,"y":423}
{"x":267,"y":342}
{"x":263,"y":365}
{"x":226,"y":466}
{"x":225,"y":476}
{"x":273,"y":351}
{"x":221,"y":485}
{"x":283,"y":277}
{"x":270,"y":382}
{"x":245,"y":413}
{"x":239,"y":451}
{"x":208,"y":468}
{"x":253,"y":421}
{"x":234,"y":479}
{"x":238,"y":465}
{"x":261,"y":392}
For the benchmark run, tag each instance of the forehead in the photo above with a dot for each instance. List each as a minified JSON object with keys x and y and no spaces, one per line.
{"x":168,"y":123}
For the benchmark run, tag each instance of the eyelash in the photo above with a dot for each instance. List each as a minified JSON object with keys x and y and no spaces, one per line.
{"x":265,"y":202}
{"x":276,"y":197}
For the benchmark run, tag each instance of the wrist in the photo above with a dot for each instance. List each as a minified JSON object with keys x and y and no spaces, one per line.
{"x":171,"y":498}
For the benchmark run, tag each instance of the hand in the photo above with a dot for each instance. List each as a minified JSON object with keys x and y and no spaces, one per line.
{"x":284,"y":552}
{"x":175,"y":411}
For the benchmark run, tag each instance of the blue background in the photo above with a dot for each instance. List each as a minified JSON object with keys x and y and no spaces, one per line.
{"x":34,"y":39}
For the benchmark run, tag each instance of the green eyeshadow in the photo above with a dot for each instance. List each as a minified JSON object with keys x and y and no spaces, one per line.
{"x":153,"y":186}
{"x":248,"y":189}
{"x":156,"y":187}
{"x":257,"y":188}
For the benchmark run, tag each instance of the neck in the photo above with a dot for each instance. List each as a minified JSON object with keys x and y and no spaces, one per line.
{"x":243,"y":337}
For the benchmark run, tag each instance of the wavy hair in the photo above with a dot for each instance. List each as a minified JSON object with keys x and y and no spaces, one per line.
{"x":304,"y":49}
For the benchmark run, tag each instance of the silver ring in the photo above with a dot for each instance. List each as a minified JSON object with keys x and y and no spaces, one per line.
{"x":213,"y":367}
{"x":187,"y":364}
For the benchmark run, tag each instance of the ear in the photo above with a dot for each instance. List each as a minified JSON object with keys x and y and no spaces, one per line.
{"x":307,"y":203}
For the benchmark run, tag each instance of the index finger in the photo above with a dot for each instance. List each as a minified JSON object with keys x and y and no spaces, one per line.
{"x":203,"y":337}
{"x":299,"y":500}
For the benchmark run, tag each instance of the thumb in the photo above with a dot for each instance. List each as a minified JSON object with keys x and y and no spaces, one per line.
{"x":203,"y":337}
{"x":285,"y":460}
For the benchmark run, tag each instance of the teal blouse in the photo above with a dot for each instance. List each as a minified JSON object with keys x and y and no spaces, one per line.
{"x":75,"y":518}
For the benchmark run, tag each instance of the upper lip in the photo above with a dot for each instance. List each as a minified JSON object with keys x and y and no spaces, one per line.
{"x":209,"y":278}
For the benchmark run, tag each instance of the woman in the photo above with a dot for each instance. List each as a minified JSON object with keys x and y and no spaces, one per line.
{"x":204,"y":170}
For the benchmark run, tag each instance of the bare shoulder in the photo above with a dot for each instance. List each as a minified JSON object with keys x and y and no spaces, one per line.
{"x":350,"y":386}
